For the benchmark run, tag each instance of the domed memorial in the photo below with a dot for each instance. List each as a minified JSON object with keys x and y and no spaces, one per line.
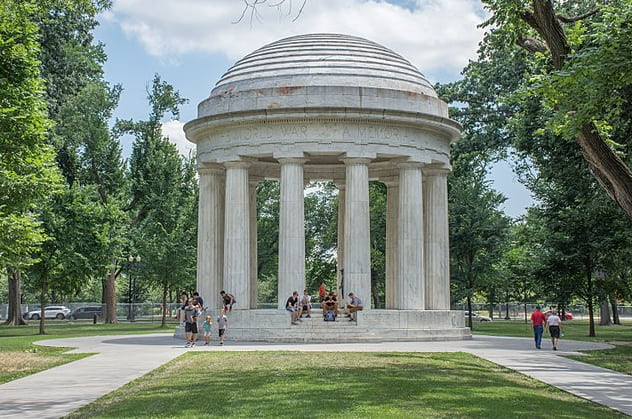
{"x":327,"y":107}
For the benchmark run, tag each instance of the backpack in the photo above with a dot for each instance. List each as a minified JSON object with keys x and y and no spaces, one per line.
{"x":330,"y":317}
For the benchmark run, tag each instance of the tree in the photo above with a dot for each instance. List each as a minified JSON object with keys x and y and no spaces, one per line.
{"x":588,"y":62}
{"x":477,"y":228}
{"x":164,"y":197}
{"x":27,"y":170}
{"x":98,"y":172}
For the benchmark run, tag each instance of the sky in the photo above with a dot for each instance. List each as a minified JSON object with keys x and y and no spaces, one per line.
{"x":191,"y":43}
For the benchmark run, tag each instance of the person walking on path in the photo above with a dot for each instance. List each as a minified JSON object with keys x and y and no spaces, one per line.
{"x":190,"y":324}
{"x":537,"y":321}
{"x":222,"y":325}
{"x":554,"y":323}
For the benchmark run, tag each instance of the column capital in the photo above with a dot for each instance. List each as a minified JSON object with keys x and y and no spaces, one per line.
{"x":436,"y":171}
{"x":237,"y":164}
{"x":356,"y":161}
{"x":291,"y":160}
{"x":210,"y":169}
{"x":409,"y":165}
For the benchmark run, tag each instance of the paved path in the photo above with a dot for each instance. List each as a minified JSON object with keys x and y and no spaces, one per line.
{"x":120,"y":359}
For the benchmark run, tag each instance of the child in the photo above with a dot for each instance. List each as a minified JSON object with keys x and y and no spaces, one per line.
{"x":222,"y":325}
{"x":207,"y":330}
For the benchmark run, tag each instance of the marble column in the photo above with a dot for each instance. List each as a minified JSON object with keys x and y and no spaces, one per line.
{"x":410,"y":245}
{"x":357,"y":244}
{"x":210,"y":241}
{"x":392,"y":204}
{"x":291,"y":229}
{"x":437,"y":248}
{"x":237,"y":234}
{"x":253,"y":181}
{"x":340,"y":236}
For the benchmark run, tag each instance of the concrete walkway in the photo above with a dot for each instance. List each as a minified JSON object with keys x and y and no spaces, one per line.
{"x":120,"y":359}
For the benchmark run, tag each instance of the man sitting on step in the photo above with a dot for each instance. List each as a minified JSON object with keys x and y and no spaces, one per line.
{"x":355,"y":304}
{"x":330,"y":304}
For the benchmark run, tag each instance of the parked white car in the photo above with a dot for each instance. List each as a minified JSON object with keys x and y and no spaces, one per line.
{"x":478,"y":317}
{"x":50,"y":312}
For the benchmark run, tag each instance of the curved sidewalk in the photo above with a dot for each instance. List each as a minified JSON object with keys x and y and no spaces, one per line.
{"x":120,"y":359}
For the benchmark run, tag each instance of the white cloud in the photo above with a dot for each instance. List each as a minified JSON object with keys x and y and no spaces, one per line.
{"x":173,"y":130}
{"x":438,"y":36}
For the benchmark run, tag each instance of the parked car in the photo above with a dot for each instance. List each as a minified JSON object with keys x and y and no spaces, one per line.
{"x":50,"y":312}
{"x":87,"y":312}
{"x":478,"y":318}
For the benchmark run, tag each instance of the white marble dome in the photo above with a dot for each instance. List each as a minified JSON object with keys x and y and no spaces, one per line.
{"x":323,"y":70}
{"x":325,"y":60}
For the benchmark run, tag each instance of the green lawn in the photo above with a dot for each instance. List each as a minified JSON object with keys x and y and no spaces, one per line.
{"x":20,"y":357}
{"x":337,"y":385}
{"x":618,"y":359}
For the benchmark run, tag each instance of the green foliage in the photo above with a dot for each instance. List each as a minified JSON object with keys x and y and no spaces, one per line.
{"x":27,"y":170}
{"x":478,"y":228}
{"x":164,"y":198}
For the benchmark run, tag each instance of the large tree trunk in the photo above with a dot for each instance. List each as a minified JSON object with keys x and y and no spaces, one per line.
{"x":110,"y":296}
{"x":604,"y":313}
{"x":14,"y":317}
{"x":615,"y":312}
{"x":609,"y":170}
{"x":589,"y":301}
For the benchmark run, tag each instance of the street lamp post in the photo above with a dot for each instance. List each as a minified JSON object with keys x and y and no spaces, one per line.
{"x":133,"y":262}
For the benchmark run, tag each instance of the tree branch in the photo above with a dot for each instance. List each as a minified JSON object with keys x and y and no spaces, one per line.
{"x":576,"y":18}
{"x":531,"y":44}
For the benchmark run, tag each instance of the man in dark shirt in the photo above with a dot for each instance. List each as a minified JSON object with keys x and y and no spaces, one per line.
{"x":330,"y":304}
{"x":190,"y":324}
{"x":291,"y":305}
{"x":228,"y":300}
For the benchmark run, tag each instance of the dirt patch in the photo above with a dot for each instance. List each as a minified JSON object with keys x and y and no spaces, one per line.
{"x":24,"y":361}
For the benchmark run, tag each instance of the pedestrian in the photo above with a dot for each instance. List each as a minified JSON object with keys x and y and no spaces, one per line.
{"x":537,"y":321}
{"x":190,"y":324}
{"x":222,"y":325}
{"x":207,"y":330}
{"x":228,"y":301}
{"x":291,"y":305}
{"x":554,"y":323}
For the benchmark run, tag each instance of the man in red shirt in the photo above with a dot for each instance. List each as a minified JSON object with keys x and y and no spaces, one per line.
{"x":537,"y":321}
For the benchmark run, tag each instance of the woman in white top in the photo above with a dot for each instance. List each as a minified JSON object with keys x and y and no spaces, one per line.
{"x":554,"y":323}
